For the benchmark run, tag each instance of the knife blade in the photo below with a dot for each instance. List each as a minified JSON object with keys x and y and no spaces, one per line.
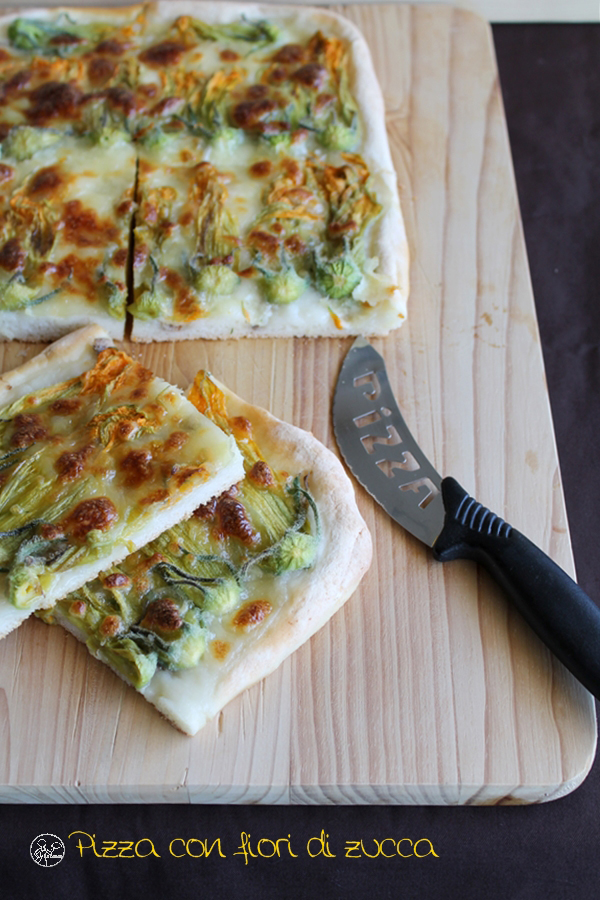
{"x":384,"y":457}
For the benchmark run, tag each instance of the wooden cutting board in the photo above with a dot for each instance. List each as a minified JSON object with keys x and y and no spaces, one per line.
{"x":426,"y":687}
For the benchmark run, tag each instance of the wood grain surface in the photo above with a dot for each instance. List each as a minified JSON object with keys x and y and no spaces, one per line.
{"x":493,"y":10}
{"x":426,"y":687}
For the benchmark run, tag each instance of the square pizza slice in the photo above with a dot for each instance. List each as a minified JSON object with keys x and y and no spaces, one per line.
{"x":72,"y":70}
{"x":97,"y":457}
{"x":253,"y":241}
{"x":65,"y":215}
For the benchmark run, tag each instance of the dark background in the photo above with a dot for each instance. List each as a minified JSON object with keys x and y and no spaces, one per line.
{"x":550,"y":78}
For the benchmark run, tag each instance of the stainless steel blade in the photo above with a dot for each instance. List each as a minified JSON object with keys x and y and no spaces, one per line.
{"x":379,"y":449}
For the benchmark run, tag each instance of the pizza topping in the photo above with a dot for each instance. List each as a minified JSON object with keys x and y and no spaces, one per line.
{"x":138,"y":467}
{"x":51,"y":532}
{"x":233,"y":521}
{"x":140,"y":255}
{"x":311,"y":75}
{"x":116,"y":581}
{"x":50,"y":37}
{"x":260,"y":32}
{"x":261,"y":474}
{"x":229,"y":55}
{"x":110,"y":626}
{"x":84,"y":229}
{"x":6,"y":172}
{"x":100,"y":70}
{"x":28,"y":429}
{"x":167,"y":53}
{"x":32,"y":34}
{"x":54,"y":100}
{"x":78,"y":608}
{"x":289,"y":53}
{"x":162,"y":615}
{"x":206,"y":510}
{"x":263,"y":241}
{"x":167,"y":104}
{"x":24,"y":141}
{"x":250,"y":113}
{"x":124,"y":656}
{"x":261,"y":169}
{"x":323,"y":101}
{"x":12,"y":255}
{"x":96,"y":514}
{"x":31,"y":559}
{"x":63,"y":38}
{"x":121,"y":98}
{"x":15,"y":294}
{"x":337,"y":278}
{"x":120,"y":257}
{"x":294,"y":244}
{"x":220,"y":649}
{"x":216,"y":280}
{"x":250,"y":615}
{"x":111,"y":47}
{"x":17,"y":82}
{"x":284,"y":287}
{"x":45,"y":182}
{"x":297,"y":550}
{"x":29,"y":34}
{"x":176,"y":440}
{"x":65,"y":406}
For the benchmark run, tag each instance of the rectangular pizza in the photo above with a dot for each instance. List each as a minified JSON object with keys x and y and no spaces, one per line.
{"x":215,"y":170}
{"x":97,"y":457}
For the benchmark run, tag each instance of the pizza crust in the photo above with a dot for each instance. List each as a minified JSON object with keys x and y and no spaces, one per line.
{"x":191,"y":697}
{"x":65,"y":358}
{"x":68,"y":358}
{"x":28,"y":327}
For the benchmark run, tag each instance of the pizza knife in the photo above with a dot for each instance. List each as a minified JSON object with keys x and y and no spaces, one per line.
{"x":384,"y":457}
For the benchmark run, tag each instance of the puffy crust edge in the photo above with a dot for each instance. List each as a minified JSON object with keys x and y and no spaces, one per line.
{"x":69,"y":356}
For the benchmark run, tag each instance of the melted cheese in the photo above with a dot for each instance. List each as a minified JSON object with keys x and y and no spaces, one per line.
{"x":148,"y":77}
{"x":109,"y":456}
{"x":376,"y":303}
{"x":68,"y":210}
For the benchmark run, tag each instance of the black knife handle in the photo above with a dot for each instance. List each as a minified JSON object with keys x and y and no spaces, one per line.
{"x":560,"y":613}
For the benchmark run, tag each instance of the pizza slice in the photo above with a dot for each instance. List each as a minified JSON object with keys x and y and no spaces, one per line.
{"x":281,"y":218}
{"x":97,"y":457}
{"x":218,"y":602}
{"x":65,"y":213}
{"x":69,"y":69}
{"x":249,"y":241}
